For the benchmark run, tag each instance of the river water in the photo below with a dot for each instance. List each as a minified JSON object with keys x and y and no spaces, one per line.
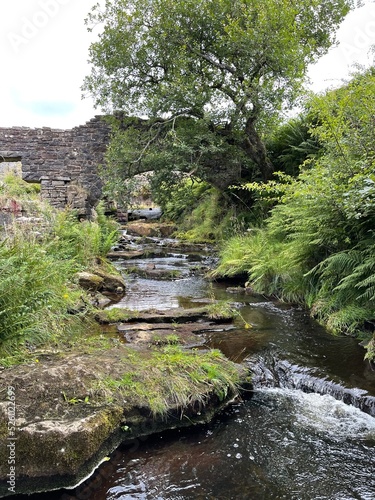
{"x":308,"y":431}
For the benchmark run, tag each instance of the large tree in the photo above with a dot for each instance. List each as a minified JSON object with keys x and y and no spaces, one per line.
{"x":237,"y":62}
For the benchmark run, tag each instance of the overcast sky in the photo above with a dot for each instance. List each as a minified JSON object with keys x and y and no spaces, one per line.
{"x":44,"y":51}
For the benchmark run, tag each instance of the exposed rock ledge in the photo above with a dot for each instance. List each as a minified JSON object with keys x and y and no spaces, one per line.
{"x":66,"y":423}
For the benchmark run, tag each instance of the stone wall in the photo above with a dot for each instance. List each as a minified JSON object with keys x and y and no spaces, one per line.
{"x":64,"y":162}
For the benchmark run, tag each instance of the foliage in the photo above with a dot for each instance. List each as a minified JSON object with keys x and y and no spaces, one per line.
{"x":221,"y":309}
{"x":211,"y":220}
{"x":238,"y":253}
{"x":318,"y":244}
{"x":37,"y":267}
{"x":82,"y":241}
{"x":179,"y":202}
{"x":292,"y":143}
{"x":17,"y":195}
{"x":211,"y":76}
{"x":175,"y":150}
{"x":115,"y":315}
{"x":13,"y":185}
{"x":34,"y":295}
{"x":347,"y":298}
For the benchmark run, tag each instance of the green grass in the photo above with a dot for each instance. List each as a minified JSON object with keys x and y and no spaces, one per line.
{"x":171,"y":376}
{"x":208,"y":221}
{"x":37,"y":287}
{"x":11,"y":185}
{"x":85,"y":242}
{"x":115,"y":315}
{"x":221,"y":309}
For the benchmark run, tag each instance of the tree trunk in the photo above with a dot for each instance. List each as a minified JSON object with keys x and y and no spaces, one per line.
{"x":255,"y":148}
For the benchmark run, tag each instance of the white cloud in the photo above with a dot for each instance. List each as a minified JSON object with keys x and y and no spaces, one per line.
{"x":356,"y":36}
{"x":44,"y":56}
{"x":44,"y":51}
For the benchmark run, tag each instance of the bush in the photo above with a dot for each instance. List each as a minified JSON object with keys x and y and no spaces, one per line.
{"x":318,"y":244}
{"x":37,"y":268}
{"x":82,"y":241}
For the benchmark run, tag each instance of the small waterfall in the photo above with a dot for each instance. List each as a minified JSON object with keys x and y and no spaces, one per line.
{"x":270,"y":371}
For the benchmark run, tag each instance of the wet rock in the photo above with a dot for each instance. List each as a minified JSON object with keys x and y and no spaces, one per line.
{"x":178,"y":315}
{"x":100,"y":301}
{"x":89,"y":281}
{"x":187,"y":334}
{"x":126,"y":254}
{"x":235,"y":289}
{"x":111,"y":283}
{"x":149,"y":229}
{"x":66,"y":422}
{"x":151,"y":272}
{"x":99,"y":281}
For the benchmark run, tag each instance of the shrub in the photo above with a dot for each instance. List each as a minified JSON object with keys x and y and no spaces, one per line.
{"x":318,"y":243}
{"x":34,"y":295}
{"x":82,"y":241}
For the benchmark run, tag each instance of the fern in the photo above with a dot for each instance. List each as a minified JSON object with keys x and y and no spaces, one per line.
{"x":348,"y":319}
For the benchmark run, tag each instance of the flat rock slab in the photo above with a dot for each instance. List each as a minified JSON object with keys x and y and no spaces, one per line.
{"x":127,"y":254}
{"x":188,"y":334}
{"x":155,"y":273}
{"x":178,"y":315}
{"x":66,"y":421}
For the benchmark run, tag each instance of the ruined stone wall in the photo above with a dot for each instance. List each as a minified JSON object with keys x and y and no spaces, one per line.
{"x":64,"y":161}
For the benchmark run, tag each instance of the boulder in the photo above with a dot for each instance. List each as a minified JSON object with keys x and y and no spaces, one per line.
{"x":149,"y":229}
{"x":61,"y":420}
{"x":99,"y":281}
{"x":89,"y":281}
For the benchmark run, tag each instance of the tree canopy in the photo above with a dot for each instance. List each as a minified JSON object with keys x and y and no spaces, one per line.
{"x":235,"y":63}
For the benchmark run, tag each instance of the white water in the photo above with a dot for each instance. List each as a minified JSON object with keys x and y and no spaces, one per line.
{"x":326,"y":415}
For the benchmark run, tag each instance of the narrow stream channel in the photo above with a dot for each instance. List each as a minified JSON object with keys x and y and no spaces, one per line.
{"x":308,"y":432}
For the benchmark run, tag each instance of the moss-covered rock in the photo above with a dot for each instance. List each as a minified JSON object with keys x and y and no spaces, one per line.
{"x":99,"y":281}
{"x":72,"y":409}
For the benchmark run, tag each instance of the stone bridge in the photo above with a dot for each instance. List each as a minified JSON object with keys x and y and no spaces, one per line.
{"x":64,"y":162}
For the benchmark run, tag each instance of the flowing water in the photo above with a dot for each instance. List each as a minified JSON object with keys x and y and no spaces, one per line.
{"x":308,"y":431}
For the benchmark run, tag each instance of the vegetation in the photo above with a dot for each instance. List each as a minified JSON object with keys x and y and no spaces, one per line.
{"x":207,"y":218}
{"x":43,"y":309}
{"x":211,"y":77}
{"x":84,"y":242}
{"x":38,"y":266}
{"x":12,"y":185}
{"x":115,"y":315}
{"x":222,"y":310}
{"x":317,"y":247}
{"x":170,"y":377}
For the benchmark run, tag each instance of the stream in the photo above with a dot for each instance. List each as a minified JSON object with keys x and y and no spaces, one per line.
{"x":308,"y":431}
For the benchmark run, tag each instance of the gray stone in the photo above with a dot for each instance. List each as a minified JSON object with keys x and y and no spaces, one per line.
{"x":59,"y":158}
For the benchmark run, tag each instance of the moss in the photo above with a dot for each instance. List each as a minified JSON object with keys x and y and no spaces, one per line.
{"x":114,"y":315}
{"x":54,"y":447}
{"x":174,"y":377}
{"x":132,"y":393}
